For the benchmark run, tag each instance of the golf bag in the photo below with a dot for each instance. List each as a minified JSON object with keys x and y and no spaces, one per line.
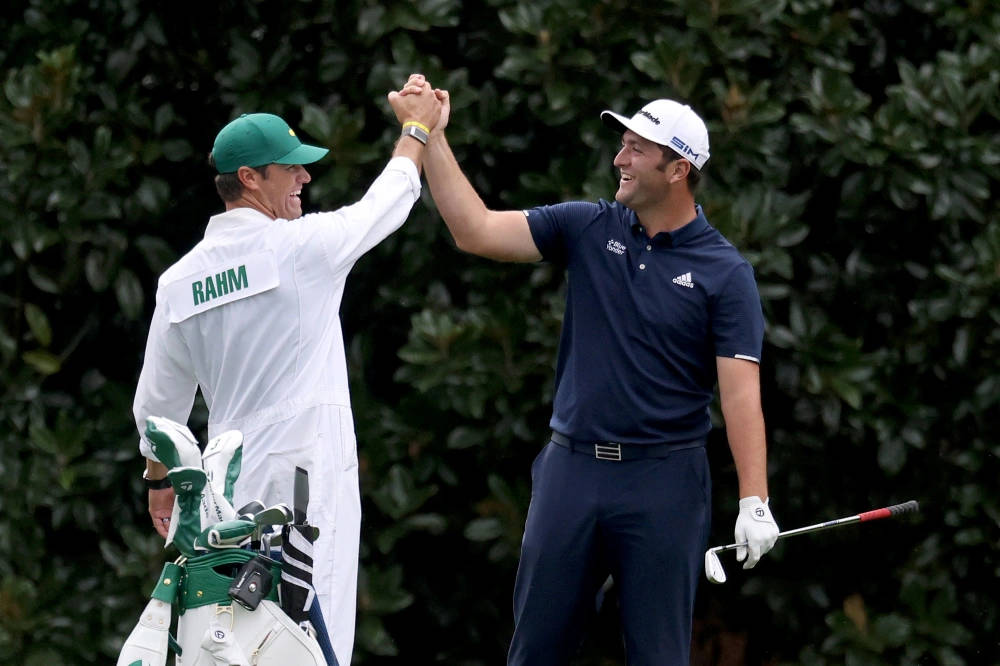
{"x":238,"y":604}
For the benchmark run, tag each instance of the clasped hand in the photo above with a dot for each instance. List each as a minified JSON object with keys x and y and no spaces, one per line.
{"x":417,"y":88}
{"x":416,"y":102}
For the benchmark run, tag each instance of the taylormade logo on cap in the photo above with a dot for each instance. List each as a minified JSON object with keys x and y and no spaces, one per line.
{"x":257,"y":139}
{"x":667,"y":123}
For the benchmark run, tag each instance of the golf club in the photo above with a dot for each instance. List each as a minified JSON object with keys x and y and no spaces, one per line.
{"x":716,"y":574}
{"x":279,"y":514}
{"x":250,"y":509}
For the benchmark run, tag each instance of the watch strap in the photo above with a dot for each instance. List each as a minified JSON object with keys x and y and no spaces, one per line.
{"x":155,"y":484}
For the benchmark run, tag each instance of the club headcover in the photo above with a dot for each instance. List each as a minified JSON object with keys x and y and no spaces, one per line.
{"x":222,"y":460}
{"x":173,"y":443}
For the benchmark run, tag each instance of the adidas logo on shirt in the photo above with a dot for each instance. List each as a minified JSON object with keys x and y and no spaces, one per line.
{"x":684,"y":281}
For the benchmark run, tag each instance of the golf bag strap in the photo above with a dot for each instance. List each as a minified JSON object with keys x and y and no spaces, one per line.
{"x":169,"y":583}
{"x":174,"y":645}
{"x":202,"y":585}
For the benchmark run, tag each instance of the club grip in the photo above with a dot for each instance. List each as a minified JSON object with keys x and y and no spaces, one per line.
{"x":889,"y":511}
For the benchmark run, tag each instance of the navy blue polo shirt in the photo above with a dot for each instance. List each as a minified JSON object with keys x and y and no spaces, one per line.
{"x":645,"y":319}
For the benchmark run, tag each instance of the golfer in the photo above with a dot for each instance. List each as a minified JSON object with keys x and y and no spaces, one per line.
{"x":251,"y":317}
{"x":659,"y":308}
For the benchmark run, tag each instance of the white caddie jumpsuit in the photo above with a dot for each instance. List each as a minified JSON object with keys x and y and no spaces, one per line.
{"x":252,"y":316}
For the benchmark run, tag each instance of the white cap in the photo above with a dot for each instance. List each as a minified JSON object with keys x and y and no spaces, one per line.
{"x":667,"y":123}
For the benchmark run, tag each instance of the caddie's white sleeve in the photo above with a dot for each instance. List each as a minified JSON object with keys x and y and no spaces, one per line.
{"x":167,"y":383}
{"x":357,"y":228}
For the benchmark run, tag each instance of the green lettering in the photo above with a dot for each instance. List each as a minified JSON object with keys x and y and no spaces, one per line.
{"x":239,"y":280}
{"x":199,"y":295}
{"x":210,"y":289}
{"x":221,"y":284}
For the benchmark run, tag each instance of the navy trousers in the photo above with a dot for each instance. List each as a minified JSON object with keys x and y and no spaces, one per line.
{"x":645,"y":522}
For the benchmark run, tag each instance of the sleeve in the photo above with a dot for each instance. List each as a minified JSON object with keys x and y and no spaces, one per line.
{"x":555,"y":228}
{"x":167,"y":383}
{"x":737,"y":318}
{"x":349,"y":232}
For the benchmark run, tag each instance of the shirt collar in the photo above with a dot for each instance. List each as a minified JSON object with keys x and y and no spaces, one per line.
{"x":236,"y":219}
{"x":678,"y":236}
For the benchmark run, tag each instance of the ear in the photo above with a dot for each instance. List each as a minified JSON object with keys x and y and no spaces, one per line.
{"x":678,"y":171}
{"x":248,"y":177}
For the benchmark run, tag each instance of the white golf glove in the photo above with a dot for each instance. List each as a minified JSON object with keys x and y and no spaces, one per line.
{"x":756,"y":527}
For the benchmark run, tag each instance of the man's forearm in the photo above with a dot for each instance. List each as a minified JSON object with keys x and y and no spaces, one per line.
{"x":739,"y":393}
{"x":408,"y":146}
{"x":455,"y":198}
{"x":746,"y":441}
{"x":155,"y":470}
{"x":745,"y":431}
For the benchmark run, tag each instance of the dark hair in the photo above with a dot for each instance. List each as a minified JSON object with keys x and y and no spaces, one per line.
{"x":228,"y":185}
{"x":671,"y":155}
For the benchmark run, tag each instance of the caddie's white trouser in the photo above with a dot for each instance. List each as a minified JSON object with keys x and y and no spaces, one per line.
{"x":215,"y":635}
{"x":319,"y":438}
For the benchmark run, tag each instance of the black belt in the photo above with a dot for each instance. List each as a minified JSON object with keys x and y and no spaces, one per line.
{"x":617,"y":451}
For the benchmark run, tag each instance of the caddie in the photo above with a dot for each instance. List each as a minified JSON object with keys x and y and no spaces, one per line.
{"x":251,"y":316}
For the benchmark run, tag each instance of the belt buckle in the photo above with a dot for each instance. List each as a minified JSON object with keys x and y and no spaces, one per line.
{"x":608,"y":451}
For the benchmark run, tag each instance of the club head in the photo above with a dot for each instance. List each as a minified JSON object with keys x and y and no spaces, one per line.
{"x":279,"y":514}
{"x":713,"y":567}
{"x":251,"y":509}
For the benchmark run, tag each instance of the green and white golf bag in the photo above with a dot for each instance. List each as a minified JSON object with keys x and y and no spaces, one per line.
{"x":149,"y":641}
{"x":224,"y":590}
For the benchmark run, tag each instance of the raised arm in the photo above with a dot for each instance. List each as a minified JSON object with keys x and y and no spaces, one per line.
{"x":500,"y":235}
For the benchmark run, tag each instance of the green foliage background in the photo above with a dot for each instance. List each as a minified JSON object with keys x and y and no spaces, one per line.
{"x":855,"y":161}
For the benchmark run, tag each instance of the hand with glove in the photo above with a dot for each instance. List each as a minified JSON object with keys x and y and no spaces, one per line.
{"x":756,"y":527}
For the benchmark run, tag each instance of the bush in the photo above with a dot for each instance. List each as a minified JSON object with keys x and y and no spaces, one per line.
{"x":854,"y":162}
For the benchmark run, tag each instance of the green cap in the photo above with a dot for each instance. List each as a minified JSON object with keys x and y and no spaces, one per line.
{"x":256,"y":139}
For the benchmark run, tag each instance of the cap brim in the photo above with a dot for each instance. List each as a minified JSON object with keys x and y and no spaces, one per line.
{"x":621,"y":123}
{"x":303,"y":154}
{"x":613,"y":120}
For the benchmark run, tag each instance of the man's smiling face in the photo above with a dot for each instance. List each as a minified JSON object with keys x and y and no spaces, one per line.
{"x":280,"y":191}
{"x":641,"y":181}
